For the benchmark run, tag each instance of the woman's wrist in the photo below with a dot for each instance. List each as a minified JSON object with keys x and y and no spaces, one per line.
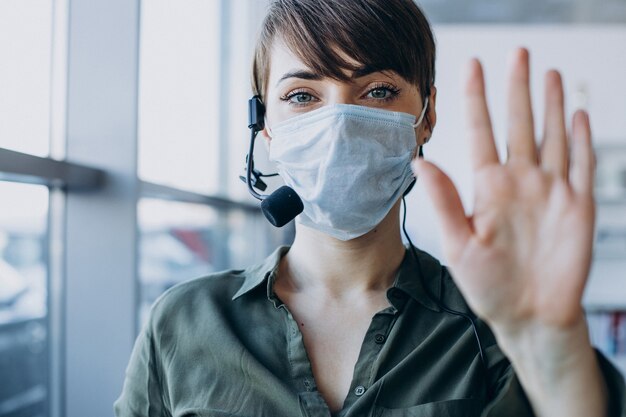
{"x":557,"y":367}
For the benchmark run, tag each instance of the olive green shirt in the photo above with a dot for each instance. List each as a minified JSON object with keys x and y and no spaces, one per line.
{"x":225,"y":345}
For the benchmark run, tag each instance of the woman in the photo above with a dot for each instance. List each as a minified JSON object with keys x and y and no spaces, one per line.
{"x":349,"y":322}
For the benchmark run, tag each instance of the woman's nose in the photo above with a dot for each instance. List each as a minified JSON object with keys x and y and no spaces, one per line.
{"x":342,"y":95}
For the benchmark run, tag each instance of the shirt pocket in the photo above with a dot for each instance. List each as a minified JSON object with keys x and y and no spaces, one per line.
{"x":452,"y":408}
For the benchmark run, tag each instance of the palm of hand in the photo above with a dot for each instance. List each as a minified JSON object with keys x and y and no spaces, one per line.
{"x":523,"y":257}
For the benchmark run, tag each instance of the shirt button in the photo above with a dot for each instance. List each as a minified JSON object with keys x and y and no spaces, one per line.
{"x":360,"y":390}
{"x":380,"y":338}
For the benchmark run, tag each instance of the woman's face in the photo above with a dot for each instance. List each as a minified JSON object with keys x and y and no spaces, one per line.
{"x":293,"y":89}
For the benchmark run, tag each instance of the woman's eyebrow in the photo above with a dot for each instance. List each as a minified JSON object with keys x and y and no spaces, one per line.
{"x":302,"y":74}
{"x":365,"y":70}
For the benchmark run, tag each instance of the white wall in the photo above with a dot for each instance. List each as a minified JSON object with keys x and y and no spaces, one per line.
{"x":592,"y":60}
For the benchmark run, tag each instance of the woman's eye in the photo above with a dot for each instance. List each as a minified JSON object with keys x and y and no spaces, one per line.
{"x":380,"y":93}
{"x":300,"y":98}
{"x":383,"y":93}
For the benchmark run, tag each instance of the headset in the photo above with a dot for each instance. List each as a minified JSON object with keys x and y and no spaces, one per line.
{"x":284,"y":204}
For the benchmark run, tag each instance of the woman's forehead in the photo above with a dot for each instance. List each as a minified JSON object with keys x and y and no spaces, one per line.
{"x":286,"y":64}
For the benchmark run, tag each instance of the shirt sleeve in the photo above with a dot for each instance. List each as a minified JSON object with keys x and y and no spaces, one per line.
{"x":142,"y":395}
{"x":509,"y":398}
{"x":615,"y":385}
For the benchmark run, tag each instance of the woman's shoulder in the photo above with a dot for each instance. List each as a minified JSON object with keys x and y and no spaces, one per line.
{"x":200,"y":291}
{"x":213,"y":293}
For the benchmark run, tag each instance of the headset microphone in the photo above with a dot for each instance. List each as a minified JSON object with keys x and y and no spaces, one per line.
{"x":283,"y":205}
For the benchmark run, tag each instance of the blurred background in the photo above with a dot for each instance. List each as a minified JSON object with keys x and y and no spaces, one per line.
{"x":123,"y":133}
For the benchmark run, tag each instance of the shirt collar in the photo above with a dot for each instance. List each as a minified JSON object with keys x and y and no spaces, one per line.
{"x":419,"y":277}
{"x":257,"y":274}
{"x":406,"y":279}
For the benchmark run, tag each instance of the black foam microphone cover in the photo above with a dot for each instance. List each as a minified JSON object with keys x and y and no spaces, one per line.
{"x":282,"y":206}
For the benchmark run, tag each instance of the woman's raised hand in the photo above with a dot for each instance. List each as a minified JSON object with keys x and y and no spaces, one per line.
{"x":522,"y":258}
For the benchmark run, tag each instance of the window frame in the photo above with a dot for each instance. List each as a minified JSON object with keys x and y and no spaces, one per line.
{"x":92,"y":174}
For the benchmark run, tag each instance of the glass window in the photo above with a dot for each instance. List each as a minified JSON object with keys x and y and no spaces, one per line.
{"x":25,"y":51}
{"x":240,"y":44}
{"x":251,"y":238}
{"x":179,"y":94}
{"x":182,"y":241}
{"x":607,"y":330}
{"x":23,"y":300}
{"x":525,"y":11}
{"x":177,"y":242}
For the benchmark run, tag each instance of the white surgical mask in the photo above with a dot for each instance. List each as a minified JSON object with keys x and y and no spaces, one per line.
{"x":349,"y":164}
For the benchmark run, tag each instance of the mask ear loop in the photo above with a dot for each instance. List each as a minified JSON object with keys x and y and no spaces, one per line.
{"x":420,"y":119}
{"x":420,"y":150}
{"x":268,"y":130}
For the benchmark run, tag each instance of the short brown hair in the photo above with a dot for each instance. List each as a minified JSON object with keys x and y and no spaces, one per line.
{"x":380,"y":34}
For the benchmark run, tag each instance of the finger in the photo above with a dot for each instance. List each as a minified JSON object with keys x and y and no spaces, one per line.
{"x":554,"y":153}
{"x":583,"y":160}
{"x":521,"y":145}
{"x":456,"y":227}
{"x":483,"y":146}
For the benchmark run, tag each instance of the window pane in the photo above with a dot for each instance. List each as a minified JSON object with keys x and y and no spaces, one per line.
{"x":181,"y":241}
{"x":251,"y":238}
{"x":179,"y":94}
{"x":240,"y":44}
{"x":607,"y":330}
{"x":25,"y":52}
{"x":23,"y":300}
{"x":525,"y":11}
{"x":177,"y":243}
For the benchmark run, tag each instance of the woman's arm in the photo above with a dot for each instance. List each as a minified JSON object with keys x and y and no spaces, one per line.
{"x":522,"y":259}
{"x":142,"y":394}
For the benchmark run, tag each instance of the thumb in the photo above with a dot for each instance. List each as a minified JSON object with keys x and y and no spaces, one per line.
{"x":443,"y":193}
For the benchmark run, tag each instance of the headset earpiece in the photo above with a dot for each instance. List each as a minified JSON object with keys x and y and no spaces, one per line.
{"x":284,"y":204}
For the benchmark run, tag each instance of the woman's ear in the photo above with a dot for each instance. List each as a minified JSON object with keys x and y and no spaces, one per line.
{"x":265,"y":136}
{"x":431,"y":114}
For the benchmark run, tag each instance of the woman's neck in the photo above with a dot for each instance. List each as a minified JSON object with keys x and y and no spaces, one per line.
{"x":320,"y":263}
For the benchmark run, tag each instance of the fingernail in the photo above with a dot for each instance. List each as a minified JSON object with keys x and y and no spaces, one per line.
{"x":582,"y":115}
